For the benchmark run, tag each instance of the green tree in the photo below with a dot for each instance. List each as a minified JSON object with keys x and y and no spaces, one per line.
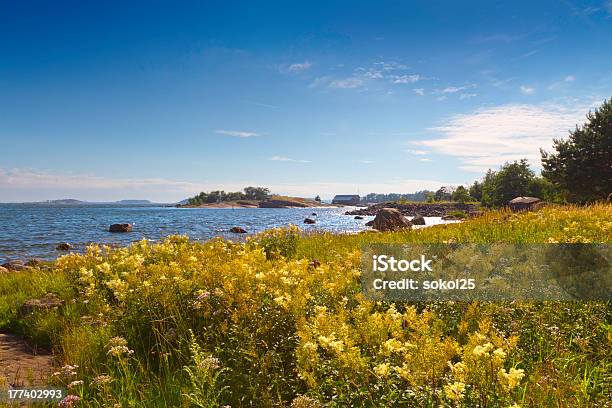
{"x":512,"y":180}
{"x":476,"y":191}
{"x":461,"y":195}
{"x":582,"y":165}
{"x":318,"y":199}
{"x":443,"y":194}
{"x":256,"y":193}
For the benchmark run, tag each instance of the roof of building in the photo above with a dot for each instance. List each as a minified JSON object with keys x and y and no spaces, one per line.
{"x":524,"y":200}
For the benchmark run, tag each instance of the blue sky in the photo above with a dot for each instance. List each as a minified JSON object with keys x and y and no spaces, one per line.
{"x":157,"y":100}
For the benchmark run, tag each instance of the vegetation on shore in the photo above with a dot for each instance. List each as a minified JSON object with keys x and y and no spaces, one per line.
{"x":259,"y":323}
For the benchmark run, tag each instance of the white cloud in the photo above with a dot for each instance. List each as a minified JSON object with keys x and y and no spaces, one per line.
{"x":347,"y":83}
{"x":455,"y":89}
{"x":417,"y":152}
{"x":419,"y":91}
{"x":406,"y":79}
{"x":236,"y":133}
{"x":299,"y":67}
{"x":527,"y":90}
{"x":467,"y":95}
{"x":424,"y":159}
{"x":569,"y":78}
{"x":287,"y":159}
{"x":488,"y":137}
{"x":442,"y":98}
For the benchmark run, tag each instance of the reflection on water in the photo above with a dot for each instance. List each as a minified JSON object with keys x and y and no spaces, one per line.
{"x":35,"y":230}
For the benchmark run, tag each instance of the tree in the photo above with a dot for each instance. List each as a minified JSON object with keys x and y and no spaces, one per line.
{"x":256,"y":193}
{"x":443,"y":194}
{"x":461,"y":195}
{"x":513,"y":180}
{"x":476,"y":191}
{"x":318,"y":199}
{"x":582,"y":165}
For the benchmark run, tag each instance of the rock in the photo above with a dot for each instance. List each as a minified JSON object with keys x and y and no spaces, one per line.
{"x":49,"y":301}
{"x":369,"y":223}
{"x":390,"y":219}
{"x":35,"y":262}
{"x":358,"y":217}
{"x":314,"y":264}
{"x":418,"y":220}
{"x":3,"y":270}
{"x":120,"y":228}
{"x":14,"y":265}
{"x":238,"y":230}
{"x":309,"y":221}
{"x":314,"y":214}
{"x":64,"y":246}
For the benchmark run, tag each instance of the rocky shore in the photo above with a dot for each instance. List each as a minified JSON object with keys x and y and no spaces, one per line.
{"x":422,"y":209}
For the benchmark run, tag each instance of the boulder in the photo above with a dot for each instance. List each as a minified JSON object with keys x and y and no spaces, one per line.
{"x":35,"y":262}
{"x":369,"y":223}
{"x":15,"y":265}
{"x":314,"y":214}
{"x":49,"y":301}
{"x":3,"y":270}
{"x":120,"y":228}
{"x":358,"y":217}
{"x":390,"y":219}
{"x":418,"y":220}
{"x":64,"y":246}
{"x":309,"y":221}
{"x":238,"y":230}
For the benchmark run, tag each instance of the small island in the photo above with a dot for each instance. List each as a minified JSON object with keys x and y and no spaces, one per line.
{"x":250,"y":197}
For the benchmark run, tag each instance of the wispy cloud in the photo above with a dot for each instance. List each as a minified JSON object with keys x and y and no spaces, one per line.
{"x":569,"y":78}
{"x":236,"y":133}
{"x":488,"y":137}
{"x":467,"y":95}
{"x":527,"y":90}
{"x":367,"y":161}
{"x":419,"y":91}
{"x":347,"y":83}
{"x":417,"y":152}
{"x":406,"y":79}
{"x":455,"y":89}
{"x":287,"y":159}
{"x":299,"y":66}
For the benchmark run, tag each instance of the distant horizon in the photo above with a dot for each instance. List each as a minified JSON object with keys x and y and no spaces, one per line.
{"x":103,"y":101}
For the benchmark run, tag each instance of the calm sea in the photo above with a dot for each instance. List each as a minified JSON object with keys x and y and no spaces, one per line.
{"x":28,"y":230}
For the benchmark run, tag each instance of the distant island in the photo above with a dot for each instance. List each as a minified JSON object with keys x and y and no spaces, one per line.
{"x":72,"y":201}
{"x":250,"y":197}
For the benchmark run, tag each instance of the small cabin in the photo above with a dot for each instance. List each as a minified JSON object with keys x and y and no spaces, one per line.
{"x":525,"y":203}
{"x":352,"y":199}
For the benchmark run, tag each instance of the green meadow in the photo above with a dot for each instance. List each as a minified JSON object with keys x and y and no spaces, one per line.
{"x":280,"y":321}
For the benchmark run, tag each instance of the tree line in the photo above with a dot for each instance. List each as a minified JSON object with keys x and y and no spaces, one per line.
{"x":217,"y":196}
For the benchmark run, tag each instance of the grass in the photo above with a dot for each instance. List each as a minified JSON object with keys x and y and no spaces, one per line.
{"x":181,"y":323}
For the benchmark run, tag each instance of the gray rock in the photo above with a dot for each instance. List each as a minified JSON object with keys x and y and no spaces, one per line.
{"x":64,"y":246}
{"x":120,"y":228}
{"x":390,"y":219}
{"x":309,"y":221}
{"x":418,"y":220}
{"x":49,"y":301}
{"x":238,"y":230}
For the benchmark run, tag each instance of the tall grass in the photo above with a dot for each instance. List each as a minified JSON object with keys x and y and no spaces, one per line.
{"x":182,"y":323}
